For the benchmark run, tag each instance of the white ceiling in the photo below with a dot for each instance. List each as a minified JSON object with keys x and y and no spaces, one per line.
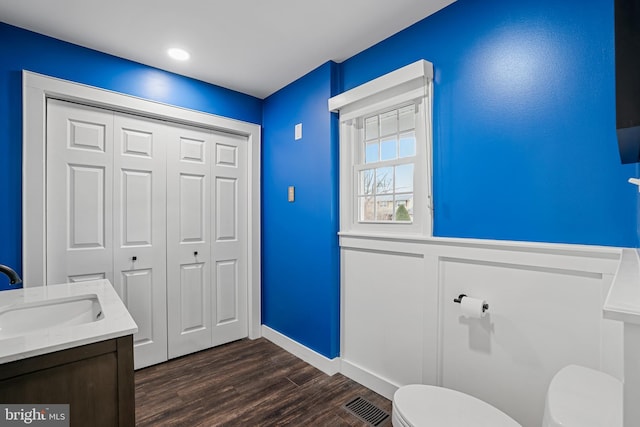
{"x":252,"y":46}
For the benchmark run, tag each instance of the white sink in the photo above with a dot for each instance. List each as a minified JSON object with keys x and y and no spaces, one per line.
{"x":44,"y":319}
{"x":24,"y":318}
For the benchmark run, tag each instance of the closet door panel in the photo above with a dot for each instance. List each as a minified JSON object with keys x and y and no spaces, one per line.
{"x":137,"y":211}
{"x":192,"y":293}
{"x":191,"y":204}
{"x":137,"y":295}
{"x":227,"y":288}
{"x":79,"y":192}
{"x":188,"y":240}
{"x":229,"y":255}
{"x":140,"y":231}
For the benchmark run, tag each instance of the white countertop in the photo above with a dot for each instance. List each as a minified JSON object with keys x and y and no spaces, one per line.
{"x":116,"y":322}
{"x":623,"y":301}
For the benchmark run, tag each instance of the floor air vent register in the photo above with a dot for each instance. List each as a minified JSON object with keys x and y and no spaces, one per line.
{"x":367,"y":411}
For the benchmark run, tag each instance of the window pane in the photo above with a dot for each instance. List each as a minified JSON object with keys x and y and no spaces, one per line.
{"x":366,"y":208}
{"x":388,"y":149}
{"x":407,"y":118}
{"x":371,"y":154}
{"x":404,"y":207}
{"x":386,"y":194}
{"x":384,"y":208}
{"x":408,"y":144}
{"x":389,"y":123}
{"x":404,"y":179}
{"x":371,"y":128}
{"x":384,"y":180}
{"x":366,"y":182}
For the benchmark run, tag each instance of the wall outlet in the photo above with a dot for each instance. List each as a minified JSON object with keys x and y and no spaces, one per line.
{"x":291,"y":196}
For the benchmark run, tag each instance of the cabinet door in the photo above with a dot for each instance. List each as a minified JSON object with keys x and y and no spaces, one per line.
{"x":188,"y":240}
{"x":229,"y":254}
{"x":79,"y":190}
{"x":139,"y":225}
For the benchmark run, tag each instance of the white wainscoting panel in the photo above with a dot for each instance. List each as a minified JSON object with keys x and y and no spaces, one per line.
{"x":400,"y":324}
{"x":539,"y":320}
{"x":384,"y":305}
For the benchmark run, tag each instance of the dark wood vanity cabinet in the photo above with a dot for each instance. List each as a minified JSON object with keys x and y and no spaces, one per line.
{"x":96,"y":380}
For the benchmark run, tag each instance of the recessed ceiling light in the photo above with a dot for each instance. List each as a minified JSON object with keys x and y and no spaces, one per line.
{"x":178,"y":54}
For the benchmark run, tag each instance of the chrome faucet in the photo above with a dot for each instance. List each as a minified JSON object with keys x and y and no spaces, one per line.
{"x":14,"y":279}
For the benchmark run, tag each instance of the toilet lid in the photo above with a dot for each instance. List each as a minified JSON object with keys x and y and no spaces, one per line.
{"x":584,"y":397}
{"x":425,"y":405}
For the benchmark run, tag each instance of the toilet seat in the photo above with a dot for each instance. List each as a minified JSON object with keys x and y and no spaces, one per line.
{"x":420,"y":405}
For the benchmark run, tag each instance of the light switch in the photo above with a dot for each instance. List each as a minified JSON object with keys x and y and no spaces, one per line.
{"x":298,"y":131}
{"x":292,"y":193}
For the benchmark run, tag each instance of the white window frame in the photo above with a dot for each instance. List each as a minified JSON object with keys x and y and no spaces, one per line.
{"x":410,"y":84}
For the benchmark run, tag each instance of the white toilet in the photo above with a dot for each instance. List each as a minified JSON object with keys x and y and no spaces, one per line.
{"x":577,"y":397}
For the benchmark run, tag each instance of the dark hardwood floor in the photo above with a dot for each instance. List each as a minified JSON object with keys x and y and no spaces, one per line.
{"x":246,"y":383}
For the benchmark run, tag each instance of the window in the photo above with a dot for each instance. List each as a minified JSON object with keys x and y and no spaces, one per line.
{"x":385,"y":152}
{"x":385,"y":165}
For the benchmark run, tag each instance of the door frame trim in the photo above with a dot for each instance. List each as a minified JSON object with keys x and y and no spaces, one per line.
{"x":36,"y":88}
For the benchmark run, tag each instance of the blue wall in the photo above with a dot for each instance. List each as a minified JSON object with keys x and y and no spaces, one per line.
{"x":524,"y":146}
{"x":301,"y":274}
{"x":524,"y":120}
{"x":524,"y":140}
{"x":21,"y":49}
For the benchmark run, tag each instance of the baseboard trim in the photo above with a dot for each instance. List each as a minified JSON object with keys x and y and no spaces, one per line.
{"x":326,"y":365}
{"x":374,"y":382}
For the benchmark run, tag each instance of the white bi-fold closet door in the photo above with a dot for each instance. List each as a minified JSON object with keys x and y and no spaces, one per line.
{"x":157,"y":208}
